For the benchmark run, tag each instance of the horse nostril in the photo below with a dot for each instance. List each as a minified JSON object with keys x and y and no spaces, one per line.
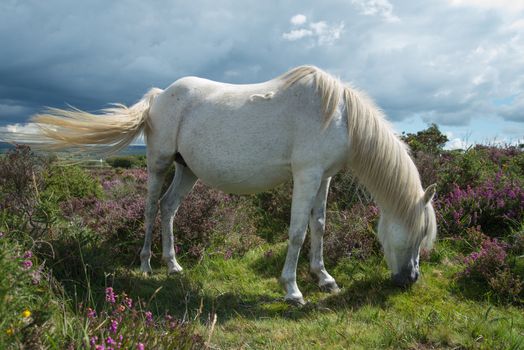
{"x":400,"y":280}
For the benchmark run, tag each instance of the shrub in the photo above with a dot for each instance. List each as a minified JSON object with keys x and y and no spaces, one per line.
{"x":21,"y":203}
{"x":127,"y":161}
{"x":488,"y":268}
{"x":25,"y":307}
{"x":117,"y":222}
{"x":349,"y":234}
{"x":197,"y":219}
{"x":478,"y":165}
{"x":124,"y":323}
{"x":66,"y":182}
{"x":430,"y":140}
{"x":20,"y":178}
{"x":496,"y":205}
{"x":345,"y":191}
{"x":273,"y":212}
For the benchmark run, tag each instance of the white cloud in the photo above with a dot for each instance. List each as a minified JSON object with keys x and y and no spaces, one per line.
{"x":321,"y":32}
{"x":326,"y":34}
{"x":298,"y":19}
{"x":506,"y":5}
{"x":27,"y":128}
{"x":382,"y":8}
{"x":456,"y":143}
{"x":18,"y":132}
{"x":297,"y":34}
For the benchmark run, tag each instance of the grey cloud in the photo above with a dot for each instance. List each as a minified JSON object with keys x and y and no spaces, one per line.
{"x":441,"y":63}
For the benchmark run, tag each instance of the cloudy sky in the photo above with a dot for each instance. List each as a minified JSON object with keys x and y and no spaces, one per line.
{"x":457,"y":63}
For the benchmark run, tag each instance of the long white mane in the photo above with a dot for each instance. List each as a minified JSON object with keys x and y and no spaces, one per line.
{"x":378,"y":158}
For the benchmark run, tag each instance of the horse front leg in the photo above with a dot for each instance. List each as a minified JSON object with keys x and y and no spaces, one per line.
{"x":182,"y":183}
{"x":317,"y":226}
{"x":305,"y":188}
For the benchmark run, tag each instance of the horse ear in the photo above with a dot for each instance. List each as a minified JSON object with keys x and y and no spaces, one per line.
{"x":429,"y":193}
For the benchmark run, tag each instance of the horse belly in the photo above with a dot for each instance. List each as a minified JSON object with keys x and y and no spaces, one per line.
{"x":237,"y":157}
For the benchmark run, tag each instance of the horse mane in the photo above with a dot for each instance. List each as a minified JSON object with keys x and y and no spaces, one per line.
{"x":378,"y":158}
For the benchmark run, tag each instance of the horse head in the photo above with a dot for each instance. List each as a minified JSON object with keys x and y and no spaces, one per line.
{"x":402,"y":242}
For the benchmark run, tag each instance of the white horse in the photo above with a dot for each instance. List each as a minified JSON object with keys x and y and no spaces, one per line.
{"x":243,"y":139}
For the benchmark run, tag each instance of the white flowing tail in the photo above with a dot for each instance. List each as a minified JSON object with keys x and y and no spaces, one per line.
{"x":112,"y":130}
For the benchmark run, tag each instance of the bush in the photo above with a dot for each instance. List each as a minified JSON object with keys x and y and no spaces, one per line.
{"x":273,"y":212}
{"x":118,"y":224}
{"x":25,"y":307}
{"x":497,"y":205}
{"x":488,"y":269}
{"x":66,"y":182}
{"x":350,"y":234}
{"x":21,"y":203}
{"x":127,"y":161}
{"x":477,"y":165}
{"x":124,"y":323}
{"x":197,"y":218}
{"x":430,"y":140}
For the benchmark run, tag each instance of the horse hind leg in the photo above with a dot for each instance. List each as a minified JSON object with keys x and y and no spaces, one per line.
{"x":317,"y":226}
{"x":156,"y":169}
{"x":182,"y":183}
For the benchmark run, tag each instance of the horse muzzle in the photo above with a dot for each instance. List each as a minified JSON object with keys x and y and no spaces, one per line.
{"x":405,"y":277}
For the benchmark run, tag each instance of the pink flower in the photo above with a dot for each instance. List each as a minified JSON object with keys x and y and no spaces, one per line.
{"x":128,"y":302}
{"x":110,"y":295}
{"x":149,"y":318}
{"x":27,"y":264}
{"x":93,"y":341}
{"x":140,"y":346}
{"x":91,"y":313}
{"x":113,"y":327}
{"x":28,"y":254}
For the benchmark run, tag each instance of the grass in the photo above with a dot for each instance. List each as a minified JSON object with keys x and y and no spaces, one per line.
{"x":241,"y":290}
{"x":368,"y":313}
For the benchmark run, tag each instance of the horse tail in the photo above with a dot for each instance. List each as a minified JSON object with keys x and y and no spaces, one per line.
{"x":111,"y":130}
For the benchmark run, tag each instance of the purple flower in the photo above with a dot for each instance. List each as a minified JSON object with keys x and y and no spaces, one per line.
{"x":128,"y":302}
{"x":27,"y":264}
{"x":93,"y":341}
{"x":91,"y":313}
{"x":113,"y":327}
{"x":149,"y":318}
{"x":110,"y":341}
{"x":110,"y":295}
{"x":100,"y":347}
{"x":28,"y":254}
{"x":140,"y":346}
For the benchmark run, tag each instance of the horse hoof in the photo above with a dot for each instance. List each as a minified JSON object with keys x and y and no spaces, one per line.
{"x":174,"y":272}
{"x":330,"y":287}
{"x":298,"y":302}
{"x":174,"y":269}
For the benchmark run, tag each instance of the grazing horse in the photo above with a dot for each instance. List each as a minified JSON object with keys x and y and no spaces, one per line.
{"x":304,"y":124}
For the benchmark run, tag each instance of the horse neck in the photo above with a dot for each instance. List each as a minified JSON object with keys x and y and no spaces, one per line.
{"x":380,"y":160}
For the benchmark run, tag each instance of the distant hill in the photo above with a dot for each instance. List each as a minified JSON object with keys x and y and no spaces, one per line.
{"x":4,"y":147}
{"x":130,"y":150}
